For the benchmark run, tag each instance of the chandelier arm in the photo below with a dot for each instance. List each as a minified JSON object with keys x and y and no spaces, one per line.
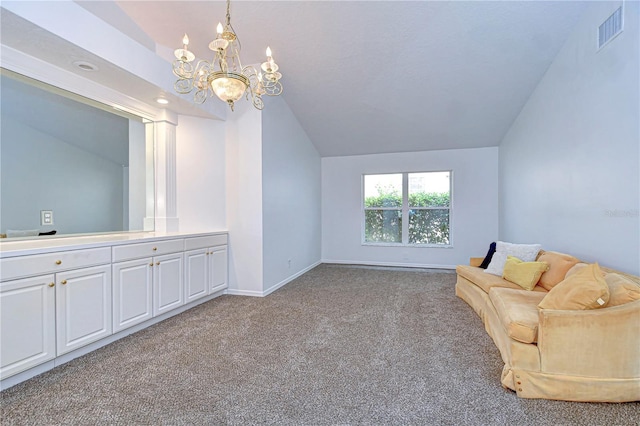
{"x":273,"y":90}
{"x":256,"y":99}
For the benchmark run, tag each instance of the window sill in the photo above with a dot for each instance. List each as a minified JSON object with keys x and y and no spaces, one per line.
{"x":445,"y":246}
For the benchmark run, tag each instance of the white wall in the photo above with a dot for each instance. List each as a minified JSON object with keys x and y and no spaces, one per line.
{"x":201,"y":174}
{"x":244,"y":198}
{"x":569,"y":165}
{"x":290,"y":196}
{"x":43,"y":172}
{"x":474,"y":223}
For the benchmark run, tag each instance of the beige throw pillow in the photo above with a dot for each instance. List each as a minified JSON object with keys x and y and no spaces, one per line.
{"x":575,"y":269}
{"x":583,"y":290}
{"x":559,"y":265}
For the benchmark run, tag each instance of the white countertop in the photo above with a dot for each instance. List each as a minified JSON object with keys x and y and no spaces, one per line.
{"x":46,"y":244}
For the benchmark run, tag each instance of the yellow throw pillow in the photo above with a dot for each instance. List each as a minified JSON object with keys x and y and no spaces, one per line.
{"x":525,"y":274}
{"x":622,"y":290}
{"x":559,"y":265}
{"x":583,"y":290}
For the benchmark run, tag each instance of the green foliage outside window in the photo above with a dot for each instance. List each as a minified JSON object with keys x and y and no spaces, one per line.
{"x":426,"y":226}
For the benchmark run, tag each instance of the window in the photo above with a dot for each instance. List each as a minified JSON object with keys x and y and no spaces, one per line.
{"x":407,"y":208}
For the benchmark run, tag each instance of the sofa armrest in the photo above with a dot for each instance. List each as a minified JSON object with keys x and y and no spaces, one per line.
{"x":594,"y":343}
{"x":476,"y":261}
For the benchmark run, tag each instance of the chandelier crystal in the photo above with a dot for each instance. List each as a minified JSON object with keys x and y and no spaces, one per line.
{"x":224,"y":76}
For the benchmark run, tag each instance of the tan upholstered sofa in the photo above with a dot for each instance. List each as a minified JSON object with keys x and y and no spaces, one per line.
{"x":573,"y":355}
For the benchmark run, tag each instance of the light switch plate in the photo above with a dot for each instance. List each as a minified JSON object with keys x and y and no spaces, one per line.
{"x":46,"y":217}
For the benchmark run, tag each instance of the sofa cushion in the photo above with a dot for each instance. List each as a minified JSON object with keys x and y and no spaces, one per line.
{"x":622,"y":290}
{"x":487,"y":281}
{"x":525,"y":274}
{"x":559,"y":265}
{"x":524,"y":252}
{"x":518,"y":312}
{"x":585,"y":289}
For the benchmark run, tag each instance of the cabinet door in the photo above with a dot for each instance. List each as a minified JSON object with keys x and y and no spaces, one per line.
{"x":83,"y":307}
{"x":27,"y":324}
{"x":196,"y":274}
{"x":167,"y":283}
{"x":218,"y":269}
{"x":132,"y":293}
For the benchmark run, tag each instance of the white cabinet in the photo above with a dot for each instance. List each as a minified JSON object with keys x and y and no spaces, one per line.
{"x":27,"y":323}
{"x":56,"y":299}
{"x":50,"y":315}
{"x":218,"y":262}
{"x":167,"y":283}
{"x":149,"y":286}
{"x":205,"y":266}
{"x":83,"y":307}
{"x":196,"y":277}
{"x":132,"y":293}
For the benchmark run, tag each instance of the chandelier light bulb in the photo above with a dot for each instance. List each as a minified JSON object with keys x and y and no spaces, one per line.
{"x":268,"y":53}
{"x":219,"y":29}
{"x":184,"y":56}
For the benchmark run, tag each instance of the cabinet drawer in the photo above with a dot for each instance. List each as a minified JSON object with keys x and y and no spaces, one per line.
{"x":24,"y":266}
{"x":134,"y":251}
{"x":204,"y":242}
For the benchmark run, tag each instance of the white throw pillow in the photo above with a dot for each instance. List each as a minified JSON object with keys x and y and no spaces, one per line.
{"x":524,"y":252}
{"x":496,"y":266}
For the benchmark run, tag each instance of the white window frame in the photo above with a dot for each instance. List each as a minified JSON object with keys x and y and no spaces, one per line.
{"x":405,"y":211}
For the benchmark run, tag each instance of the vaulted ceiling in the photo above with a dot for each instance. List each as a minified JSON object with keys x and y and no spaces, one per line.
{"x":367,"y":77}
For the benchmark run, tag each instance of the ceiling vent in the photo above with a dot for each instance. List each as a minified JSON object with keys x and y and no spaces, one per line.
{"x":610,"y":28}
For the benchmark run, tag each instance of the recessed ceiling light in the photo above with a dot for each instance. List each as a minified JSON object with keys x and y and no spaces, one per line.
{"x":86,"y":66}
{"x":162,"y":101}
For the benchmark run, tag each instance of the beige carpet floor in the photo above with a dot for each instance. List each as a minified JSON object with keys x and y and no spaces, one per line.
{"x":338,"y":346}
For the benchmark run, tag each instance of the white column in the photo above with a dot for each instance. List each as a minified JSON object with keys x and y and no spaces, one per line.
{"x":165,"y":149}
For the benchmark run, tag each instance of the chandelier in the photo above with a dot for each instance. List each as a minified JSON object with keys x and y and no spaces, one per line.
{"x":225,"y":76}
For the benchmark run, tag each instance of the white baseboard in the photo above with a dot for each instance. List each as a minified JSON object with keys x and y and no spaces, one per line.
{"x":256,"y":293}
{"x":237,"y":292}
{"x":289,"y":279}
{"x":392,"y":264}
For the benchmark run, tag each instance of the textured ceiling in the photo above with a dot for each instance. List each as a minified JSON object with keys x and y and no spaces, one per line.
{"x":387,"y":76}
{"x":368,"y":77}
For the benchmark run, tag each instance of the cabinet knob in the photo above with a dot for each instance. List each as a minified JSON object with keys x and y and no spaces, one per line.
{"x":155,"y":249}
{"x":58,"y":262}
{"x":52,"y":284}
{"x":157,"y":263}
{"x":151,"y":264}
{"x":63,"y":282}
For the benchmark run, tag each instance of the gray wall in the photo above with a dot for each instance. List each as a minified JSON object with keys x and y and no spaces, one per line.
{"x":569,"y":165}
{"x":474,"y":220}
{"x":290,"y":195}
{"x":40,"y":172}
